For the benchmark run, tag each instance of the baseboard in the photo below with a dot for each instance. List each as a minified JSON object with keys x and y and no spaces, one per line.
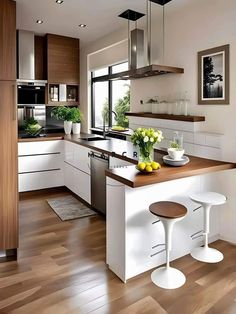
{"x":8,"y":255}
{"x":228,"y":239}
{"x":23,"y":195}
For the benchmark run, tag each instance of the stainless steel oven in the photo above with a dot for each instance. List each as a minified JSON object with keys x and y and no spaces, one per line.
{"x":31,"y":102}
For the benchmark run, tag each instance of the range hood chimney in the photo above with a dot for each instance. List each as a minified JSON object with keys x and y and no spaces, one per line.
{"x":26,"y":57}
{"x":137,"y":68}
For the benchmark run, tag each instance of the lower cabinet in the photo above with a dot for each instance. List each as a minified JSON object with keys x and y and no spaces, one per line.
{"x":40,"y":180}
{"x":40,"y":165}
{"x":78,"y":182}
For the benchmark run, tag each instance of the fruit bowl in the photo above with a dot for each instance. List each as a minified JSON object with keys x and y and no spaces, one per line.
{"x":148,"y":167}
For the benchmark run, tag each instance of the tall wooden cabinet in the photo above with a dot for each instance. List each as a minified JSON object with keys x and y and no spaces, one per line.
{"x":8,"y":129}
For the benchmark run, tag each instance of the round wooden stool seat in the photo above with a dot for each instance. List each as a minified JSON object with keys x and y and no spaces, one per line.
{"x":169,"y":210}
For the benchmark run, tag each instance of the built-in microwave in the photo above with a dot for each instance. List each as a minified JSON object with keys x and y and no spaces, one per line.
{"x":30,"y":94}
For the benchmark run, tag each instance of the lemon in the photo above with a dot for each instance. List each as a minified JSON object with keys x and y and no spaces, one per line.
{"x":148,"y":168}
{"x":148,"y":164}
{"x":155,"y":165}
{"x":141,"y":166}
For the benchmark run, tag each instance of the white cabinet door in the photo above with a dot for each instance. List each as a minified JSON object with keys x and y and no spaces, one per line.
{"x":81,"y":158}
{"x":69,"y":177}
{"x":77,"y":156}
{"x":82,"y":185}
{"x":78,"y":182}
{"x":69,"y":152}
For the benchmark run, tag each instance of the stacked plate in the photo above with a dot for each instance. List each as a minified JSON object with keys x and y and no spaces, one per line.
{"x":176,"y":163}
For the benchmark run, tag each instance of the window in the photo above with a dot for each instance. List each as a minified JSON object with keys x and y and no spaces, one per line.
{"x":110,"y":96}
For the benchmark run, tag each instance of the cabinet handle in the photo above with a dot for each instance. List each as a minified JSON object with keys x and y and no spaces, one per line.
{"x":14,"y":102}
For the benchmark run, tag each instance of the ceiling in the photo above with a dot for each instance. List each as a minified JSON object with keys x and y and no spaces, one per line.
{"x":100,"y":16}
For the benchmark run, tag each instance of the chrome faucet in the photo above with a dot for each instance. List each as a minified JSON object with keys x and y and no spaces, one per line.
{"x":104,"y":122}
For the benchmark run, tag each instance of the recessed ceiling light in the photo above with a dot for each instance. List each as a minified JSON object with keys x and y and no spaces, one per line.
{"x":82,"y":25}
{"x":39,"y":22}
{"x":59,"y":1}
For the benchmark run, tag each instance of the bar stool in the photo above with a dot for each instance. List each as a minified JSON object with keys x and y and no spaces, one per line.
{"x":206,"y":200}
{"x":169,"y":213}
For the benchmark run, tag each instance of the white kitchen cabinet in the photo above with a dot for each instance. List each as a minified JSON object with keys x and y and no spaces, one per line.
{"x":69,"y":177}
{"x":81,"y":158}
{"x":40,"y":147}
{"x":77,"y":156}
{"x":82,"y":185}
{"x":40,"y":165}
{"x":78,"y":182}
{"x":116,"y":163}
{"x":35,"y":163}
{"x":40,"y":180}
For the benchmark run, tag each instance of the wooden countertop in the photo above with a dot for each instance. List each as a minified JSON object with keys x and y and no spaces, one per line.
{"x":132,"y":177}
{"x":125,"y":150}
{"x":166,"y":116}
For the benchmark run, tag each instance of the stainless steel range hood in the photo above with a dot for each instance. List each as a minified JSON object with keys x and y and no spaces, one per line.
{"x":26,"y":57}
{"x":137,"y":67}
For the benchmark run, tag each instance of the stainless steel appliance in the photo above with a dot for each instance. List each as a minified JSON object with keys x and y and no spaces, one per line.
{"x":99,"y":163}
{"x":31,"y":102}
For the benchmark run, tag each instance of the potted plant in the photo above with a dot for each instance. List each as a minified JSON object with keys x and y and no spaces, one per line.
{"x":175,"y":151}
{"x":145,"y":139}
{"x":32,"y":127}
{"x":76,"y":118}
{"x":63,"y":113}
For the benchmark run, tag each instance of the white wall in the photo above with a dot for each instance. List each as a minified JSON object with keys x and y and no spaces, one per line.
{"x":191,"y":26}
{"x":108,"y":50}
{"x":199,"y":25}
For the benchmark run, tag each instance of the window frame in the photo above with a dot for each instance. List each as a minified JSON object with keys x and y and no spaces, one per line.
{"x":110,"y":95}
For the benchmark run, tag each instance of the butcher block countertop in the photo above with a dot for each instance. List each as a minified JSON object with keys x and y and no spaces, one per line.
{"x":131,"y":177}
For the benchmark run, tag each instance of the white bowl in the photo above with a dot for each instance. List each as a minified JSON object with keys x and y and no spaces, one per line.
{"x":176,"y":154}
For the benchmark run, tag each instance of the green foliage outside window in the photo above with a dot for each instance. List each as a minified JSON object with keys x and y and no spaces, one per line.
{"x":121,"y":107}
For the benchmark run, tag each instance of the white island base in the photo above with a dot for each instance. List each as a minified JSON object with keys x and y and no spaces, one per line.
{"x":135,"y":237}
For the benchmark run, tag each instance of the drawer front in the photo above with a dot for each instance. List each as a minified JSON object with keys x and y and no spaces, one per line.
{"x":40,"y":180}
{"x":43,"y":147}
{"x":40,"y":162}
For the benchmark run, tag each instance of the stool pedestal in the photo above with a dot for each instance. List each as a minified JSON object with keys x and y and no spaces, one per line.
{"x":205,"y":253}
{"x":206,"y":200}
{"x":168,"y":277}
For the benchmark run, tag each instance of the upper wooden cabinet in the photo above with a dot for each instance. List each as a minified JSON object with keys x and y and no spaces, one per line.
{"x":62,"y":59}
{"x":7,"y":40}
{"x":40,"y":58}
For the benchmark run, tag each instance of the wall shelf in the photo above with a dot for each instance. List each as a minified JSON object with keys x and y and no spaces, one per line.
{"x":166,"y":116}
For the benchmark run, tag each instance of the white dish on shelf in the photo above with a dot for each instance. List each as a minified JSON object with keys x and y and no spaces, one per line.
{"x":176,"y":163}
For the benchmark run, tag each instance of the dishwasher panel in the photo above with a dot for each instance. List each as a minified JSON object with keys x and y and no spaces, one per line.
{"x":99,"y":163}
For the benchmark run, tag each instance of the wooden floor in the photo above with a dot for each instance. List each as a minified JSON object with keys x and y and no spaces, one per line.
{"x":61,"y":269}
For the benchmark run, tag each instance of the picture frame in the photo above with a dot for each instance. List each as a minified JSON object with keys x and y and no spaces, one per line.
{"x":213,"y":76}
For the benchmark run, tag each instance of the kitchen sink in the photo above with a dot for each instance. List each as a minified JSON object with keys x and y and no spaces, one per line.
{"x":95,"y":138}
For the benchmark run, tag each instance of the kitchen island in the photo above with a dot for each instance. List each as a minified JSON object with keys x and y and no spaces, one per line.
{"x":135,"y":237}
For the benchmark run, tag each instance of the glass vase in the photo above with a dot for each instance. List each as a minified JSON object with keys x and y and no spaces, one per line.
{"x":145,"y":154}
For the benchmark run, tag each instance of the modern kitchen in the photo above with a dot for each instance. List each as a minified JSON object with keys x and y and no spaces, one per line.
{"x":117,"y":164}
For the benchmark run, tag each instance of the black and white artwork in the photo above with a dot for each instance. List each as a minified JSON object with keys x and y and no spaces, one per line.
{"x":214,"y":76}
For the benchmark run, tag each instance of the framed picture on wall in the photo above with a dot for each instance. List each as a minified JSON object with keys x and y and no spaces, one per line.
{"x":213,"y":76}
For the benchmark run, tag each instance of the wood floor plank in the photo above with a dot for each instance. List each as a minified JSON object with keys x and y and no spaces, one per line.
{"x":146,"y":305}
{"x":62,"y":269}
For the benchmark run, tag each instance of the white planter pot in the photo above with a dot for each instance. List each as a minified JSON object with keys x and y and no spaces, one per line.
{"x":76,"y":128}
{"x":67,"y":127}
